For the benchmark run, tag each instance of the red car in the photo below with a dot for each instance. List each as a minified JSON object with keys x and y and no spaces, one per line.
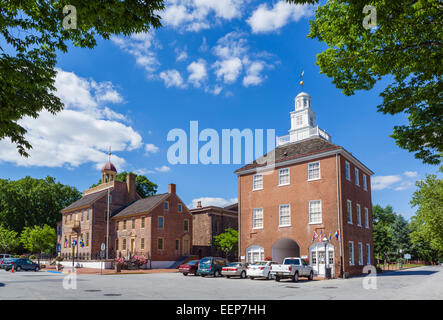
{"x":189,"y":267}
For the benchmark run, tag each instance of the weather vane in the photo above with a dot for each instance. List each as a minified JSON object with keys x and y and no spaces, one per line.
{"x":301,"y":81}
{"x":109,"y":153}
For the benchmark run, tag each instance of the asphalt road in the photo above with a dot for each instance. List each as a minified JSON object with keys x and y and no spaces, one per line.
{"x":417,"y":283}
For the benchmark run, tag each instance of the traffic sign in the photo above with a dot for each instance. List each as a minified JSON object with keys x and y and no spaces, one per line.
{"x":407,"y":256}
{"x":103,"y":247}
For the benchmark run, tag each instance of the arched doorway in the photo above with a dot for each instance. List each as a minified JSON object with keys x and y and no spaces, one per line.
{"x":318,"y":259}
{"x":285,"y":248}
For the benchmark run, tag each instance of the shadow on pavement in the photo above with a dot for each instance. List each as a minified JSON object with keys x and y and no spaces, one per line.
{"x":407,"y":273}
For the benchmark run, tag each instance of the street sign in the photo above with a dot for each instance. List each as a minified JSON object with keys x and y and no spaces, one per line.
{"x":407,"y":256}
{"x":103,"y":247}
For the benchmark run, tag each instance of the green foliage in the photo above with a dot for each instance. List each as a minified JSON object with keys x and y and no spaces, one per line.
{"x":405,"y":49}
{"x":143,"y":185}
{"x":227,"y":241}
{"x":28,"y":202}
{"x":31,"y":33}
{"x":39,"y":239}
{"x":8,"y":238}
{"x":427,"y":224}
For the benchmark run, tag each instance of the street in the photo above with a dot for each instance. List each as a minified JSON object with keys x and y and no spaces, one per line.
{"x":417,"y":283}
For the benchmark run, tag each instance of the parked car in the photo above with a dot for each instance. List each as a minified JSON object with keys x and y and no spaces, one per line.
{"x":292,"y":268}
{"x":211,"y":266}
{"x":235,"y":269}
{"x":260,"y":269}
{"x":4,"y":256}
{"x":5,"y":262}
{"x":20,"y":264}
{"x":189,"y":267}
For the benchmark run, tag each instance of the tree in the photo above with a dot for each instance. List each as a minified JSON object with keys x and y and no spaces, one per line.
{"x":383,"y":218}
{"x":227,"y":241}
{"x":28,"y":202}
{"x":39,"y":239}
{"x":400,"y":231}
{"x":427,"y":224}
{"x":404,"y":49}
{"x":32,"y":32}
{"x":143,"y":185}
{"x":9,"y":239}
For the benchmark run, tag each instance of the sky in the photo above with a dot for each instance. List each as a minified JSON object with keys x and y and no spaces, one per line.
{"x":226,"y":64}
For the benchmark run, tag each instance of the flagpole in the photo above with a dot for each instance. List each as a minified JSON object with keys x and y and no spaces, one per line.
{"x":107,"y":220}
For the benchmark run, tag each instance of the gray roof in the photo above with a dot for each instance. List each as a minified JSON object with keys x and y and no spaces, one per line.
{"x":142,"y":205}
{"x":86,"y":200}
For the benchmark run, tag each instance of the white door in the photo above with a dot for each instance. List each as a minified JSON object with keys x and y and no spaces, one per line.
{"x":319,"y":260}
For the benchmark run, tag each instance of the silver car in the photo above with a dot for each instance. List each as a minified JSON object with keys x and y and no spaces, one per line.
{"x":235,"y":269}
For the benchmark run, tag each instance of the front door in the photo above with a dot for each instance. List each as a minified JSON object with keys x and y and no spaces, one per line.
{"x":186,"y":245}
{"x":132,"y":245}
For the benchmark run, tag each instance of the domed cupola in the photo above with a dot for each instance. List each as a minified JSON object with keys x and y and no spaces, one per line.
{"x":108,"y":170}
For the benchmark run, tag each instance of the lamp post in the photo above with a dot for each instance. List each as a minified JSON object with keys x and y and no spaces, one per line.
{"x":325,"y":240}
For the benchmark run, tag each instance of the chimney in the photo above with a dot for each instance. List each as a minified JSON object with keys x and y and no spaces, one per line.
{"x":130,"y":185}
{"x":171,"y":188}
{"x":199,"y":204}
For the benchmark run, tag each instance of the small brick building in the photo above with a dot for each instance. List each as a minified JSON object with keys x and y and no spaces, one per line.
{"x":314,"y":191}
{"x":208,"y":222}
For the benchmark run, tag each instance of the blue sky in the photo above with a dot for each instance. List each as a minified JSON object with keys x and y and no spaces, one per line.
{"x":227,"y":64}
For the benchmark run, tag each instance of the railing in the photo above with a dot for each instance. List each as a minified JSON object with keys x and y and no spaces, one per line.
{"x":303,"y":135}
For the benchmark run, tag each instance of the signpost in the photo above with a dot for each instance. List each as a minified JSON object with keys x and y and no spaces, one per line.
{"x":102,"y":255}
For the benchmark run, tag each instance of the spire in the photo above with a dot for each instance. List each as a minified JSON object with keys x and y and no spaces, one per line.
{"x":109,"y":154}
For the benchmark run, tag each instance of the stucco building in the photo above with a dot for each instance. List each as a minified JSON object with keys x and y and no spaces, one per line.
{"x":314,"y":191}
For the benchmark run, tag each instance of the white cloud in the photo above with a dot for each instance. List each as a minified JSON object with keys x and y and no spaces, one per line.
{"x":383,"y":182}
{"x":411,"y":174}
{"x":265,"y":19}
{"x":253,"y":76}
{"x":198,"y":73}
{"x":172,"y":78}
{"x":163,"y":169}
{"x":181,"y":55}
{"x":228,"y":69}
{"x":151,"y":148}
{"x":209,"y":201}
{"x":80,"y":133}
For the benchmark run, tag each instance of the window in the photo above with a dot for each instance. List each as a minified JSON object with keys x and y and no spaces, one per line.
{"x":351,"y":253}
{"x":89,"y":212}
{"x":116,"y":244}
{"x":160,"y":243}
{"x":217,"y":226}
{"x":315,"y":211}
{"x":314,"y":170}
{"x":117,"y":225}
{"x":360,"y":253}
{"x":284,"y":215}
{"x":186,"y":225}
{"x":283,"y":177}
{"x":166,"y":205}
{"x":365,"y":183}
{"x":366,"y":218}
{"x":357,"y":177}
{"x":143,"y":222}
{"x":124,"y":244}
{"x":133,"y":223}
{"x":70,"y":241}
{"x":179,"y":207}
{"x":177,"y":244}
{"x":87,"y":239}
{"x":358,"y":215}
{"x":331,"y":258}
{"x":368,"y":253}
{"x":349,"y":212}
{"x":161,"y":221}
{"x":348,"y":171}
{"x":257,"y":182}
{"x":142,"y":243}
{"x":83,"y":213}
{"x":254,"y":254}
{"x":257,"y":218}
{"x":299,"y":120}
{"x":124,"y":224}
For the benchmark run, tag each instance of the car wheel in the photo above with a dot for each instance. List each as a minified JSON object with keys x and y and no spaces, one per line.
{"x":18,"y":268}
{"x":311,"y":276}
{"x":185,"y":274}
{"x":295,"y":277}
{"x":217,"y":273}
{"x":269,"y":277}
{"x":277,"y":278}
{"x":252,"y":278}
{"x":203,"y":275}
{"x":37,"y":269}
{"x":243,"y":275}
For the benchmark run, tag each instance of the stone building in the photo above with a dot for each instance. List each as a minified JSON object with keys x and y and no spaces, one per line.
{"x":208,"y":222}
{"x":315,"y":191}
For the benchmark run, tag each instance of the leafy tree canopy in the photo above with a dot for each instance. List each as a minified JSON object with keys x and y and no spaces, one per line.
{"x":9,"y":239}
{"x":227,"y":241}
{"x":33,"y":31}
{"x":143,"y":185}
{"x":39,"y":239}
{"x":405,"y":49}
{"x":28,"y":202}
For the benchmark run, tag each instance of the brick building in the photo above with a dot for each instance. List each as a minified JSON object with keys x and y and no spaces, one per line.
{"x":209,"y":222}
{"x":315,"y":191}
{"x":134,"y":224}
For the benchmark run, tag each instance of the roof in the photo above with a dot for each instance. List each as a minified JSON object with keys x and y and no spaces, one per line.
{"x":86,"y":200}
{"x":295,"y":150}
{"x":142,"y":205}
{"x":208,"y":209}
{"x":109,"y":166}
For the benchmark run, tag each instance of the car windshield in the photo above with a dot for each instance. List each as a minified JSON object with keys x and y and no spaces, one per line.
{"x":259,"y":263}
{"x":292,"y":261}
{"x":206,"y":261}
{"x":234,"y":264}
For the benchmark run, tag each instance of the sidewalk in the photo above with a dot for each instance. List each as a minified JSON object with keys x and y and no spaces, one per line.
{"x":67,"y":270}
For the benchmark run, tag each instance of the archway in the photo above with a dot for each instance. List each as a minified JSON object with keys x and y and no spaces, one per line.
{"x":285,"y":248}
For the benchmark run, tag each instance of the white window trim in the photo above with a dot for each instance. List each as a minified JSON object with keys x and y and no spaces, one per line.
{"x":357,"y":176}
{"x":365,"y":182}
{"x":366,"y":218}
{"x":359,"y":215}
{"x":321,"y":212}
{"x":319,"y":171}
{"x":263,"y":219}
{"x":289,"y":177}
{"x":352,"y":261}
{"x":290,"y":220}
{"x":360,"y":254}
{"x":347,"y":212}
{"x":347,"y":166}
{"x":368,"y":254}
{"x":253,"y":184}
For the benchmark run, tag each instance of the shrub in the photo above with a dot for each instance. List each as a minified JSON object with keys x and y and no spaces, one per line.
{"x":59,"y":258}
{"x":32,"y":257}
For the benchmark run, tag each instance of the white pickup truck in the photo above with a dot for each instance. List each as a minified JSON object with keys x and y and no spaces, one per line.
{"x":292,"y":268}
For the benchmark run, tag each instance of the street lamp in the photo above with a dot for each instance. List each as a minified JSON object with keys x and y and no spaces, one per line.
{"x":325,"y":240}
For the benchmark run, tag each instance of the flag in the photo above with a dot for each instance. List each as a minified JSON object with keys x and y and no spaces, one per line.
{"x":82,"y":244}
{"x":330,"y":236}
{"x":337,"y":235}
{"x":66,"y":242}
{"x":321,"y":236}
{"x":314,"y":236}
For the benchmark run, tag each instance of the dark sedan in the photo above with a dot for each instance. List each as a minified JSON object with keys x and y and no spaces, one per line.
{"x":20,"y":264}
{"x":189,"y":267}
